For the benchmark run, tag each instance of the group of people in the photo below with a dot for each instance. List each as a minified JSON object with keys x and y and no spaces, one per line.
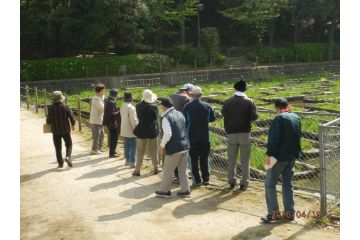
{"x":181,"y":133}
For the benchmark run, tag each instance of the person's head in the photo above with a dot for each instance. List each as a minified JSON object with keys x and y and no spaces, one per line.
{"x":166,"y":103}
{"x":113,"y":93}
{"x":58,"y":96}
{"x":148,"y":96}
{"x":281,"y":105}
{"x":128,"y":97}
{"x":187,"y":88}
{"x":196,"y":92}
{"x":100,"y":89}
{"x":240,"y":86}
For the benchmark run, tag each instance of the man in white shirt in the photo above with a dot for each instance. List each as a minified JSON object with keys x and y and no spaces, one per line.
{"x":96,"y":119}
{"x":175,"y":146}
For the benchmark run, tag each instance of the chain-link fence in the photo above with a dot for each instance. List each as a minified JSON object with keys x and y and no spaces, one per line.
{"x":329,"y":135}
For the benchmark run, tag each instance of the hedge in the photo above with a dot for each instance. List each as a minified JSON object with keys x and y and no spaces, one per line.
{"x":315,"y":52}
{"x":64,"y":68}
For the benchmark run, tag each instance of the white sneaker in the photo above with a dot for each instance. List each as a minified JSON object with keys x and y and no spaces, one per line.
{"x":95,"y":152}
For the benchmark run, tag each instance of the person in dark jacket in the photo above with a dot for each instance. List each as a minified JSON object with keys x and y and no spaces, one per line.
{"x":238,"y":112}
{"x":110,"y":120}
{"x":283,"y":149}
{"x":147,"y":131}
{"x":198,"y":115}
{"x":175,"y":146}
{"x":59,"y":116}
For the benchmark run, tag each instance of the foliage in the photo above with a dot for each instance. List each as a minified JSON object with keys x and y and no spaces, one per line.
{"x":210,"y":42}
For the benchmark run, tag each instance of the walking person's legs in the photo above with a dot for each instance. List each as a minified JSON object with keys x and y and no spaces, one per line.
{"x":153,"y":149}
{"x":183,"y":175}
{"x":204,"y":151}
{"x":287,"y":189}
{"x":58,"y":148}
{"x":140,"y":149}
{"x":194,"y":155}
{"x":245,"y":148}
{"x":232,"y":152}
{"x":68,"y":145}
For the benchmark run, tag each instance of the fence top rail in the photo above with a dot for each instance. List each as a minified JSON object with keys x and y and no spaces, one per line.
{"x":329,"y":124}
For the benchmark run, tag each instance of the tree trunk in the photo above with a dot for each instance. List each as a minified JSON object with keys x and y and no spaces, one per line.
{"x":271,"y":30}
{"x":182,"y":33}
{"x":330,"y":53}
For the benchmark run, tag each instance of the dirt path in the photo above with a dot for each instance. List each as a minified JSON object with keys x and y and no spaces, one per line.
{"x":99,"y":199}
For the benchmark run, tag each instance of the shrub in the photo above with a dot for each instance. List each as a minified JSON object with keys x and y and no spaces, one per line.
{"x":62,"y":68}
{"x":264,"y":55}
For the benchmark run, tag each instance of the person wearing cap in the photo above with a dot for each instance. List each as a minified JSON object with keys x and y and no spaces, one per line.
{"x":59,"y":116}
{"x":175,"y":146}
{"x":147,"y":131}
{"x":128,"y":123}
{"x":180,"y":99}
{"x":198,"y":115}
{"x":238,"y":112}
{"x":284,"y":139}
{"x":110,"y":121}
{"x":96,"y":119}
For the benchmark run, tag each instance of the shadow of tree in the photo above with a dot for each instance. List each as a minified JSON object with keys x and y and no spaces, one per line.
{"x":33,"y":176}
{"x":112,"y":184}
{"x":100,"y":173}
{"x":256,"y":232}
{"x":142,"y":191}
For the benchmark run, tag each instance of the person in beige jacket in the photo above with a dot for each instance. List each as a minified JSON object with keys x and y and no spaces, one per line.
{"x":96,"y":119}
{"x":129,"y":121}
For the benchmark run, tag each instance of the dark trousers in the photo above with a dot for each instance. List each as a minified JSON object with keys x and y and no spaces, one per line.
{"x":113,"y":140}
{"x":200,"y":151}
{"x":58,"y":146}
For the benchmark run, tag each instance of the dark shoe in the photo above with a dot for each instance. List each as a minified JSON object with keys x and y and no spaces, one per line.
{"x":289,"y":216}
{"x":156,"y":171}
{"x":206,"y":183}
{"x":163,"y":194}
{"x":243,"y":187}
{"x":184,"y":194}
{"x":114,"y":155}
{"x":270,"y":219}
{"x":136,"y":173}
{"x":68,"y":161}
{"x":60,"y":166}
{"x":232,"y":186}
{"x":197,"y":184}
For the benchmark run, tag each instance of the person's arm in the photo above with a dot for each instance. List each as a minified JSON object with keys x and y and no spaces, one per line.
{"x":186,"y":115}
{"x":253,"y":112}
{"x":274,"y":136}
{"x":114,"y":110}
{"x":167,"y":133}
{"x":70,"y":115}
{"x":211,"y":114}
{"x":133,"y":118}
{"x":49,"y":116}
{"x":96,"y":102}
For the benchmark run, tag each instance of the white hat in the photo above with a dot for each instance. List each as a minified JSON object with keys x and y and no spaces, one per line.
{"x":58,"y":96}
{"x":187,"y":86}
{"x":196,"y":91}
{"x":149,"y":96}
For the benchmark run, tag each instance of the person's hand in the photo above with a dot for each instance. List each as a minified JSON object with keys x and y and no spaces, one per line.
{"x":162,"y":150}
{"x":267,"y":160}
{"x":72,"y":128}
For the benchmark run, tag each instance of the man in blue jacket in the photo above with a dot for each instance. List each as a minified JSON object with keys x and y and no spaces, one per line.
{"x":284,"y":145}
{"x":198,"y":115}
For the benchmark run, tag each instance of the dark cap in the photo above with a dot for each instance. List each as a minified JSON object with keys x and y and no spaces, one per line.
{"x":240,"y":86}
{"x":114,"y":92}
{"x":281,"y":103}
{"x":166,"y":102}
{"x":128,"y":97}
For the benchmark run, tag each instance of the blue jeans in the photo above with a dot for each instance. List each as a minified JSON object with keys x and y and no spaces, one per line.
{"x":130,"y":149}
{"x":285,"y":169}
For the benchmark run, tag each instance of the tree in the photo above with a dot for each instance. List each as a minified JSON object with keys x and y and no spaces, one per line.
{"x":210,"y":42}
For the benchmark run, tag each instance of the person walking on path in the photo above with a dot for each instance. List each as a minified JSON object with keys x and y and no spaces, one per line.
{"x":175,"y":146}
{"x":147,"y":131}
{"x":128,"y":123}
{"x":283,"y":148}
{"x":238,"y":112}
{"x":198,"y":115}
{"x":59,"y":116}
{"x":96,"y":119}
{"x":180,"y":99}
{"x":110,"y":121}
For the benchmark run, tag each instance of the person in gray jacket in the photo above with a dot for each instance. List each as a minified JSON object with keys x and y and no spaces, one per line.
{"x":129,"y":121}
{"x":96,"y":119}
{"x":238,"y":112}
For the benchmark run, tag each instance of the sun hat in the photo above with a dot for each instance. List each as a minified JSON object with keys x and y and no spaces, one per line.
{"x":196,"y":91}
{"x":149,"y":96}
{"x":128,"y":96}
{"x":166,"y":102}
{"x":240,"y":86}
{"x":281,"y":103}
{"x":187,"y":86}
{"x":58,"y":96}
{"x":114,"y":93}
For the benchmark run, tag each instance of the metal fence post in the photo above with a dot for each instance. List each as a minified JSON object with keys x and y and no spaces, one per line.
{"x":27,"y":97}
{"x":36,"y":101}
{"x":45,"y":104}
{"x":79,"y":112}
{"x":322,"y":172}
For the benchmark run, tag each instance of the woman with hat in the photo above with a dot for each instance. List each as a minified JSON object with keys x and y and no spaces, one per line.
{"x":147,"y":131}
{"x":59,"y":116}
{"x":110,"y":116}
{"x":128,"y":123}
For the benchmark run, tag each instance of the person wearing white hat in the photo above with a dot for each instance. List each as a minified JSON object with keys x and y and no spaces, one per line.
{"x":198,"y":115}
{"x":147,"y":131}
{"x":59,"y":116}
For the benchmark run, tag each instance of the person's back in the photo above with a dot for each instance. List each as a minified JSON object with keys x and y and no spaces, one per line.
{"x":97,"y":110}
{"x":59,"y":115}
{"x":147,"y":114}
{"x":238,"y":112}
{"x":180,"y":99}
{"x":128,"y":120}
{"x":284,"y":137}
